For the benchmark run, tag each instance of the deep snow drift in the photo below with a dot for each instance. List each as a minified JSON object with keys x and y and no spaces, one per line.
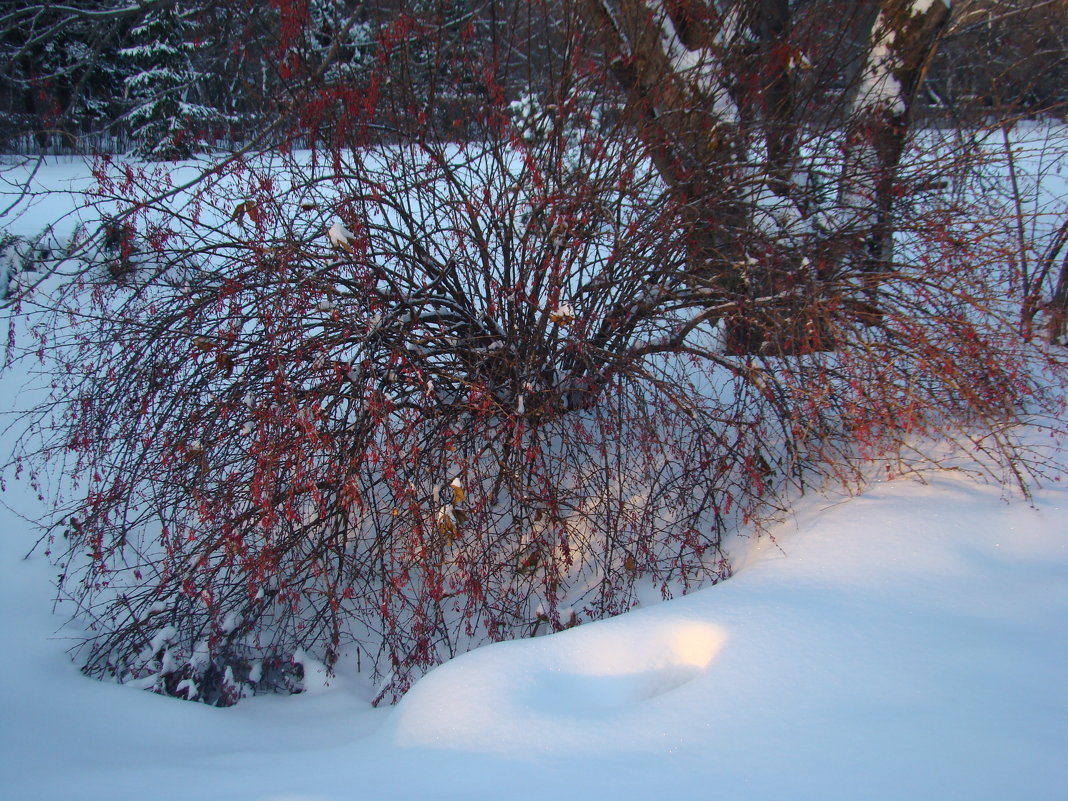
{"x":907,"y":644}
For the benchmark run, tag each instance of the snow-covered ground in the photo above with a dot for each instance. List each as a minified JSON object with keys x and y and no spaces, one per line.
{"x":906,"y":644}
{"x":909,"y":643}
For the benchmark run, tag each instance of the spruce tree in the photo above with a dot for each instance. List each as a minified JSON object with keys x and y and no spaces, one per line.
{"x":166,"y":120}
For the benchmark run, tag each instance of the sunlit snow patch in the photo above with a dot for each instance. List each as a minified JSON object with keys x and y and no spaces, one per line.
{"x":522,"y":691}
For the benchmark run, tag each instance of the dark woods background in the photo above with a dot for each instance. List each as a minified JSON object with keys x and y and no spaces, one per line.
{"x":168,"y":79}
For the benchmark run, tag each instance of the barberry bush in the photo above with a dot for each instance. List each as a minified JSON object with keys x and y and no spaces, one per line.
{"x":419,"y":385}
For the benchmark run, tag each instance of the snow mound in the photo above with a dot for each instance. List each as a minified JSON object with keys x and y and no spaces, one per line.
{"x":907,"y":644}
{"x":519,"y":694}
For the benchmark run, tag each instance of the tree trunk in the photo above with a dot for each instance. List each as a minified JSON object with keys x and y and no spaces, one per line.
{"x":712,"y":95}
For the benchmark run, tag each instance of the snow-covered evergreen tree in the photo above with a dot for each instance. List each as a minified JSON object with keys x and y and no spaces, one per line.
{"x":346,"y":25}
{"x":59,"y":77}
{"x":165,"y":117}
{"x":441,"y":63}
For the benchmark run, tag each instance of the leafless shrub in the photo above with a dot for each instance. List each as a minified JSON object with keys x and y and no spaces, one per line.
{"x":385,"y":401}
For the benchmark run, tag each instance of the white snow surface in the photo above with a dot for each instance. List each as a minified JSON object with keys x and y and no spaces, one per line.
{"x":701,"y":67}
{"x":339,"y":235}
{"x":879,"y":87}
{"x":909,"y":643}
